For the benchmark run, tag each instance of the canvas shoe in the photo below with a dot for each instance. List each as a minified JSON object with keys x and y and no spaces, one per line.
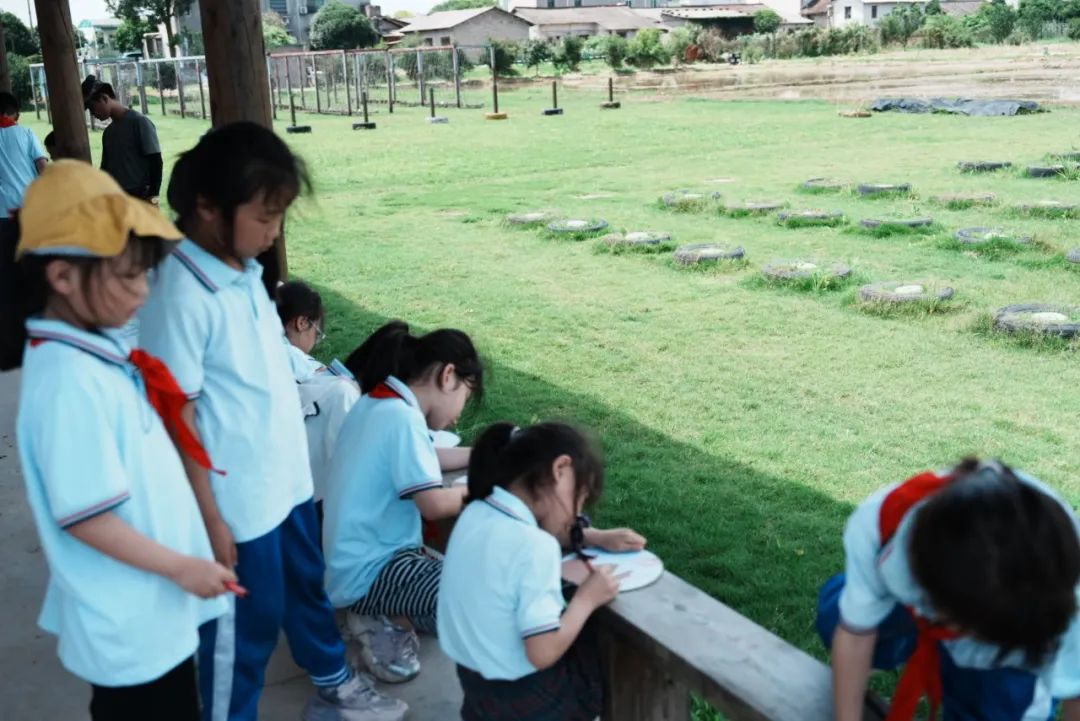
{"x":354,"y":700}
{"x":389,"y":651}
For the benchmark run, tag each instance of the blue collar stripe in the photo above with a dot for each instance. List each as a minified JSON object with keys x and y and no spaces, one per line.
{"x":198,"y":272}
{"x":80,"y":344}
{"x":502,"y":507}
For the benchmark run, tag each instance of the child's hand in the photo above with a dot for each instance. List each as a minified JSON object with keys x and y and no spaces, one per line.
{"x":617,"y":540}
{"x":600,"y":588}
{"x":205,"y":579}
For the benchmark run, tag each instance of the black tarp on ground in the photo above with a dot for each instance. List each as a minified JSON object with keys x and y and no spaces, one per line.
{"x":957,"y":106}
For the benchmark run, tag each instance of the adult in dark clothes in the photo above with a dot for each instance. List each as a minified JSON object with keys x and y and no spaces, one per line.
{"x":130,"y":152}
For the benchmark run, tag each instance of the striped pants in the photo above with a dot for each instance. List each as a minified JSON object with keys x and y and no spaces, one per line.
{"x":408,"y":585}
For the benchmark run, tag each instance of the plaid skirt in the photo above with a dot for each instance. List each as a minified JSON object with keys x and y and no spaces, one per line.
{"x":571,"y":690}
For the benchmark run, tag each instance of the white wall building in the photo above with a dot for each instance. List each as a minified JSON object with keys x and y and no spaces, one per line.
{"x":466,"y":27}
{"x":99,"y":38}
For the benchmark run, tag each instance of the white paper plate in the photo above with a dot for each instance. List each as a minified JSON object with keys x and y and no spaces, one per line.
{"x":445,"y":439}
{"x":642,"y":568}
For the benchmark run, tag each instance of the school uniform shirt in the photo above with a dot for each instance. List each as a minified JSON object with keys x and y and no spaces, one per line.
{"x":501,"y":584}
{"x":19,"y":152}
{"x":90,"y":443}
{"x":383,"y":457}
{"x":879,"y":577}
{"x":219,"y":333}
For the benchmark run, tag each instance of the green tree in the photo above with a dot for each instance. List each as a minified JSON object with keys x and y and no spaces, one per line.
{"x":899,"y":25}
{"x":156,"y":12}
{"x":1073,"y":32}
{"x":613,"y":49}
{"x":505,"y":55}
{"x":767,"y":22}
{"x":462,"y":5}
{"x":338,"y":26}
{"x":1033,"y":15}
{"x":567,"y":56}
{"x":17,"y":36}
{"x":647,"y":49}
{"x":999,"y":18}
{"x":129,"y":36}
{"x":275,"y":33}
{"x":933,"y":8}
{"x":679,"y":42}
{"x":536,"y":53}
{"x":21,"y":88}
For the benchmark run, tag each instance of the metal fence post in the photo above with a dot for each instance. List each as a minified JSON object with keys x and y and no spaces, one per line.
{"x":420,"y":75}
{"x":315,"y":69}
{"x":288,"y":86}
{"x":140,"y":77}
{"x":457,"y":76}
{"x":180,"y":87}
{"x":345,"y":82}
{"x":301,"y":65}
{"x":271,"y":78}
{"x":202,"y":93}
{"x":390,"y":85}
{"x":160,"y":87}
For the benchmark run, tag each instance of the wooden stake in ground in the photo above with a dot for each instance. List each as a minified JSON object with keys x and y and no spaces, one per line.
{"x":610,"y":104}
{"x":554,"y":109}
{"x":62,"y":79}
{"x":366,"y":125}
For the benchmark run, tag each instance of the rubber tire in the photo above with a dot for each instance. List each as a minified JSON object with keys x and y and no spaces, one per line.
{"x":1073,"y":256}
{"x":971,"y":236}
{"x":526,"y":219}
{"x":824,"y":184}
{"x":872,"y":189}
{"x":774,"y":272}
{"x":1044,"y":171}
{"x":595,"y":226}
{"x":687,"y":254}
{"x":1004,"y":323}
{"x":875,"y":293}
{"x":826,"y":217}
{"x":979,"y":199}
{"x":982,"y":166}
{"x":614,"y":239}
{"x":673,"y":199}
{"x":298,"y":129}
{"x":755,"y":208}
{"x":872,"y":223}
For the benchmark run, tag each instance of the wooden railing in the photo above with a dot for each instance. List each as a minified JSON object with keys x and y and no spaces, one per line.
{"x":670,"y":640}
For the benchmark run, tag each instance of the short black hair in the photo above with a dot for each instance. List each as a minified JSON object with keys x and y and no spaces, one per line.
{"x":297,"y":299}
{"x":999,"y":559}
{"x":50,"y":139}
{"x":9,"y":104}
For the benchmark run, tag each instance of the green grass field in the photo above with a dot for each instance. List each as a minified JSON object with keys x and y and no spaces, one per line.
{"x":741,"y":421}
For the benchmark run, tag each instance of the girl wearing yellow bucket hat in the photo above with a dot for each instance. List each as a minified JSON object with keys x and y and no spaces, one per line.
{"x":131,"y":570}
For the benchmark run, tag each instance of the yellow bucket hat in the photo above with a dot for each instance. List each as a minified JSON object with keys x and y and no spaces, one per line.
{"x":76,"y":209}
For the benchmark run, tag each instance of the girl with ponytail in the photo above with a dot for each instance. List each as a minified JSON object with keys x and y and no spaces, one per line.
{"x":523,"y":653}
{"x":386,"y":479}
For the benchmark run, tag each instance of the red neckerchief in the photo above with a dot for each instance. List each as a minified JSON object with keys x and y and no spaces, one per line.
{"x":384,"y":392}
{"x":168,"y":399}
{"x":6,"y":122}
{"x":922,"y":675}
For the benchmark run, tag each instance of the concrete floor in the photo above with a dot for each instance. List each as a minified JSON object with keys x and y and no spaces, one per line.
{"x":36,"y":686}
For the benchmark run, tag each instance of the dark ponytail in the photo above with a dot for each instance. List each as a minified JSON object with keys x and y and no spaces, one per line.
{"x":999,"y":558}
{"x":393,"y":351}
{"x":504,"y":454}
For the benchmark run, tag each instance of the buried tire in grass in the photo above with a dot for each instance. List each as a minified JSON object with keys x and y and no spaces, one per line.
{"x":1073,"y":256}
{"x":987,"y":236}
{"x":1045,"y":171}
{"x":636,"y":241}
{"x":890,"y":296}
{"x":753,"y":207}
{"x":810,"y":218}
{"x":706,"y":254}
{"x":530,"y":219}
{"x":577,"y":229}
{"x":807,"y":274}
{"x":1052,"y":209}
{"x":690,"y":201}
{"x":824,"y":185}
{"x":983,"y":166}
{"x":963,"y":201}
{"x":893,"y":226}
{"x":1045,"y":319}
{"x":884,"y":190}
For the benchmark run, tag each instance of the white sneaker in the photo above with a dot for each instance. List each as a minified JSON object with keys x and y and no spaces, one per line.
{"x":389,"y":651}
{"x":354,"y":700}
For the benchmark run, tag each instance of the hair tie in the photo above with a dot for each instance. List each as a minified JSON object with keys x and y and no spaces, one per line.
{"x":515,"y":433}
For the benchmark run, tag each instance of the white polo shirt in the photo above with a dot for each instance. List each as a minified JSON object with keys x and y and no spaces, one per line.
{"x":89,"y":443}
{"x":501,"y":583}
{"x":384,"y":455}
{"x":218,"y":331}
{"x":880,"y":577}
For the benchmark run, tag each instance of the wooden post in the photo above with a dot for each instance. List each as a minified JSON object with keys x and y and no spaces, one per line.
{"x":240,"y":87}
{"x":202,"y":93}
{"x":363,"y":103}
{"x":160,"y":88}
{"x":611,"y":90}
{"x":420,"y":75}
{"x":432,"y":103}
{"x":292,"y":109}
{"x":391,"y":93}
{"x":180,"y":87}
{"x":5,"y":71}
{"x":35,"y":91}
{"x":555,"y":94}
{"x":345,"y":81}
{"x":315,"y":77}
{"x":62,"y":79}
{"x":288,"y":89}
{"x":140,"y":78}
{"x":495,"y":88}
{"x":275,"y":88}
{"x":358,"y":67}
{"x":277,"y":95}
{"x":302,"y":66}
{"x":457,"y":77}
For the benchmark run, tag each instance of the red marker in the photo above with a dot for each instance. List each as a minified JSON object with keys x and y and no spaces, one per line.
{"x":236,"y":588}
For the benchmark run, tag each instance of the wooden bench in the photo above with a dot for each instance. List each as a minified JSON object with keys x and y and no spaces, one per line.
{"x":669,"y":640}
